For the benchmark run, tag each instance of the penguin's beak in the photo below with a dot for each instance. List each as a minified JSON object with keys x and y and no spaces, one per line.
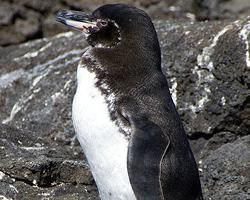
{"x":78,"y":20}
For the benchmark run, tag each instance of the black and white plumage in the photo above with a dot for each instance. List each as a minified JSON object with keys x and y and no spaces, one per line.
{"x":123,"y":113}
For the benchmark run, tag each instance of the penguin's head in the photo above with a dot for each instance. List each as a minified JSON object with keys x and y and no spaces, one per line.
{"x":112,"y":25}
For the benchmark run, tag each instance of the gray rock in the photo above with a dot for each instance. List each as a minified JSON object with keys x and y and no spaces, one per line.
{"x":208,"y":70}
{"x":40,"y":157}
{"x":226,"y":171}
{"x":9,"y":36}
{"x":191,"y":10}
{"x":33,"y":166}
{"x":30,"y":27}
{"x":7,"y":14}
{"x":222,"y":9}
{"x":25,"y":25}
{"x":52,"y":27}
{"x":207,"y":66}
{"x":178,"y":9}
{"x":38,"y":5}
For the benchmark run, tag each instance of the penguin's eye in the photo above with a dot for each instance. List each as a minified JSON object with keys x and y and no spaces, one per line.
{"x":102,"y":23}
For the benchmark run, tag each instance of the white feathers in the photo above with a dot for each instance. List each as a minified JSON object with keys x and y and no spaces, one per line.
{"x":104,"y":146}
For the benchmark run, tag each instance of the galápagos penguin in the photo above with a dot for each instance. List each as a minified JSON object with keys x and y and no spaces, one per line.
{"x":123,"y":114}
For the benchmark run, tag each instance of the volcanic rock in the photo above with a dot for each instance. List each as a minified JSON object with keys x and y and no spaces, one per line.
{"x":207,"y":66}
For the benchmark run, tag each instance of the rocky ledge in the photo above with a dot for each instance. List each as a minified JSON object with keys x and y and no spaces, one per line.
{"x":208,"y":68}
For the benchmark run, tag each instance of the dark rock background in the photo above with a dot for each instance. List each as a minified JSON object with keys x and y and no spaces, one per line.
{"x":23,"y":20}
{"x":207,"y":65}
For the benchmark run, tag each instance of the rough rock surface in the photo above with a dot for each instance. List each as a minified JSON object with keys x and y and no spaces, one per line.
{"x":226,"y":171}
{"x":23,"y":20}
{"x":208,"y":68}
{"x":221,"y":9}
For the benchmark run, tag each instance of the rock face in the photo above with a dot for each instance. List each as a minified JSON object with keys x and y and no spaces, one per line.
{"x":226,"y":171}
{"x":221,"y":9}
{"x":207,"y":65}
{"x":23,"y":20}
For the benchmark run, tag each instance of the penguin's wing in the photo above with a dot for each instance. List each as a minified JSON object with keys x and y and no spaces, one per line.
{"x":146,"y":150}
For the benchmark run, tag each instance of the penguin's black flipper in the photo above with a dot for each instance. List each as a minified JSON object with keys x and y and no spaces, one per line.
{"x":146,"y":150}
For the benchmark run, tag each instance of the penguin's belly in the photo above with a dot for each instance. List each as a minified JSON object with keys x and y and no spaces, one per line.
{"x":104,"y":146}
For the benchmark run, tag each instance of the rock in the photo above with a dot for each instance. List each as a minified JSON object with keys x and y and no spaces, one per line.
{"x":30,"y":27}
{"x":147,"y":3}
{"x":52,"y":27}
{"x":172,"y":10}
{"x":33,"y":165}
{"x":41,"y":6}
{"x":7,"y":14}
{"x":43,"y":24}
{"x":209,"y":74}
{"x":207,"y":9}
{"x":40,"y":156}
{"x":207,"y":66}
{"x":226,"y":171}
{"x":31,"y":157}
{"x":26,"y":25}
{"x":222,"y":9}
{"x":9,"y":36}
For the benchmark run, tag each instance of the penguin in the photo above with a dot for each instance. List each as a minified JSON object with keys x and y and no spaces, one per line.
{"x":123,"y":113}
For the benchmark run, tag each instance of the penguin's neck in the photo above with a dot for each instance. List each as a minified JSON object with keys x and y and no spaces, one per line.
{"x":104,"y":145}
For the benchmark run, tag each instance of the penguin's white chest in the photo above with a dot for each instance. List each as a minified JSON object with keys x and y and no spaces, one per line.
{"x":104,"y":146}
